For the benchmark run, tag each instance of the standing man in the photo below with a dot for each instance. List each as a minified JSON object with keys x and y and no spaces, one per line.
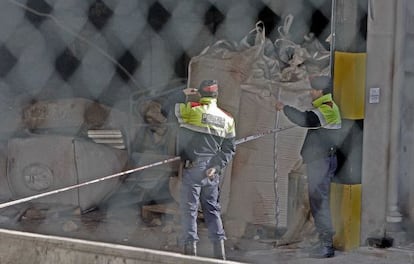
{"x":206,"y":144}
{"x":319,"y":155}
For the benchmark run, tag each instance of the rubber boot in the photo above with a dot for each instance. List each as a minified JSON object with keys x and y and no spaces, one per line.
{"x":190,"y":248}
{"x":325,"y":249}
{"x":218,"y":250}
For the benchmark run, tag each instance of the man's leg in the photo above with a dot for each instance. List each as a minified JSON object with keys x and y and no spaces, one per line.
{"x":190,"y":193}
{"x":212,"y":215}
{"x":320,"y":173}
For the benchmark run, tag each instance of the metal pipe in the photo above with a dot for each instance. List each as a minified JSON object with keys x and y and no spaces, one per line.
{"x":394,"y":216}
{"x":333,"y":36}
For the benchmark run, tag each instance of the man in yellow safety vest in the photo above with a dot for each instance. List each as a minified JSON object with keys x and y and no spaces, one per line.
{"x":206,"y":144}
{"x":319,"y":155}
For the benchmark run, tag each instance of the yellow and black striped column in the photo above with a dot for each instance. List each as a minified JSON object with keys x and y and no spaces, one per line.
{"x":349,"y":72}
{"x":349,"y":94}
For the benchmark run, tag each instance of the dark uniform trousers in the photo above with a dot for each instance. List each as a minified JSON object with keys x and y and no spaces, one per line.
{"x":197,"y":187}
{"x":320,"y":173}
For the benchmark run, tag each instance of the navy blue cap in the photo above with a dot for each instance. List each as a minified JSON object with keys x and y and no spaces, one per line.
{"x":322,"y":83}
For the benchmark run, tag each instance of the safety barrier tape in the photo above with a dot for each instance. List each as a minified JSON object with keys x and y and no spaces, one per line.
{"x":262,"y":134}
{"x":119,"y":174}
{"x":29,"y":198}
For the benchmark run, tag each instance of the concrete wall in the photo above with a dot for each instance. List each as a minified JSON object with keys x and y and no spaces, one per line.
{"x":376,"y":132}
{"x":388,"y":131}
{"x":20,"y":247}
{"x":407,"y":117}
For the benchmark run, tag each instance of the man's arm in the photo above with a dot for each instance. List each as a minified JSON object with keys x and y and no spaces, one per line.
{"x":177,"y":97}
{"x":223,"y":157}
{"x":300,"y":118}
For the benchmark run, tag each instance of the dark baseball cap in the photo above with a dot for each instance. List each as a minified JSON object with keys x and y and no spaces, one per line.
{"x":208,"y":88}
{"x":321,"y":83}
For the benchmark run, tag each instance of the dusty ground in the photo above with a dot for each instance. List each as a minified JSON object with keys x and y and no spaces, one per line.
{"x":125,"y":225}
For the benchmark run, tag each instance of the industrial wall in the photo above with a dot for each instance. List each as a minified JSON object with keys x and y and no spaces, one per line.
{"x":407,"y":109}
{"x":388,"y":131}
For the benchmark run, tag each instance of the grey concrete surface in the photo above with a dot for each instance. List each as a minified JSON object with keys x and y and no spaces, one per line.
{"x":21,"y":248}
{"x":363,"y":255}
{"x":18,"y":247}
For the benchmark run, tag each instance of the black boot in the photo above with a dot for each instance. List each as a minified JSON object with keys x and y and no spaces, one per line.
{"x":325,"y":248}
{"x":218,"y":249}
{"x":190,"y":248}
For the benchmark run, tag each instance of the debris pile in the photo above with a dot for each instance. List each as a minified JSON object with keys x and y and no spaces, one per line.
{"x":251,"y":75}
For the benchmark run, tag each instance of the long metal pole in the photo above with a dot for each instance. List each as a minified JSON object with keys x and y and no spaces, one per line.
{"x":333,"y":37}
{"x":394,"y":217}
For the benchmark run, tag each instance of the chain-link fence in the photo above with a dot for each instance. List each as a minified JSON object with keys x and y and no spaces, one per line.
{"x":107,"y":49}
{"x":110,"y":51}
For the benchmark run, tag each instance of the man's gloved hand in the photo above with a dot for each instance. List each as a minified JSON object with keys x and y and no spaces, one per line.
{"x":210,"y":173}
{"x":190,"y":91}
{"x":279,"y":105}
